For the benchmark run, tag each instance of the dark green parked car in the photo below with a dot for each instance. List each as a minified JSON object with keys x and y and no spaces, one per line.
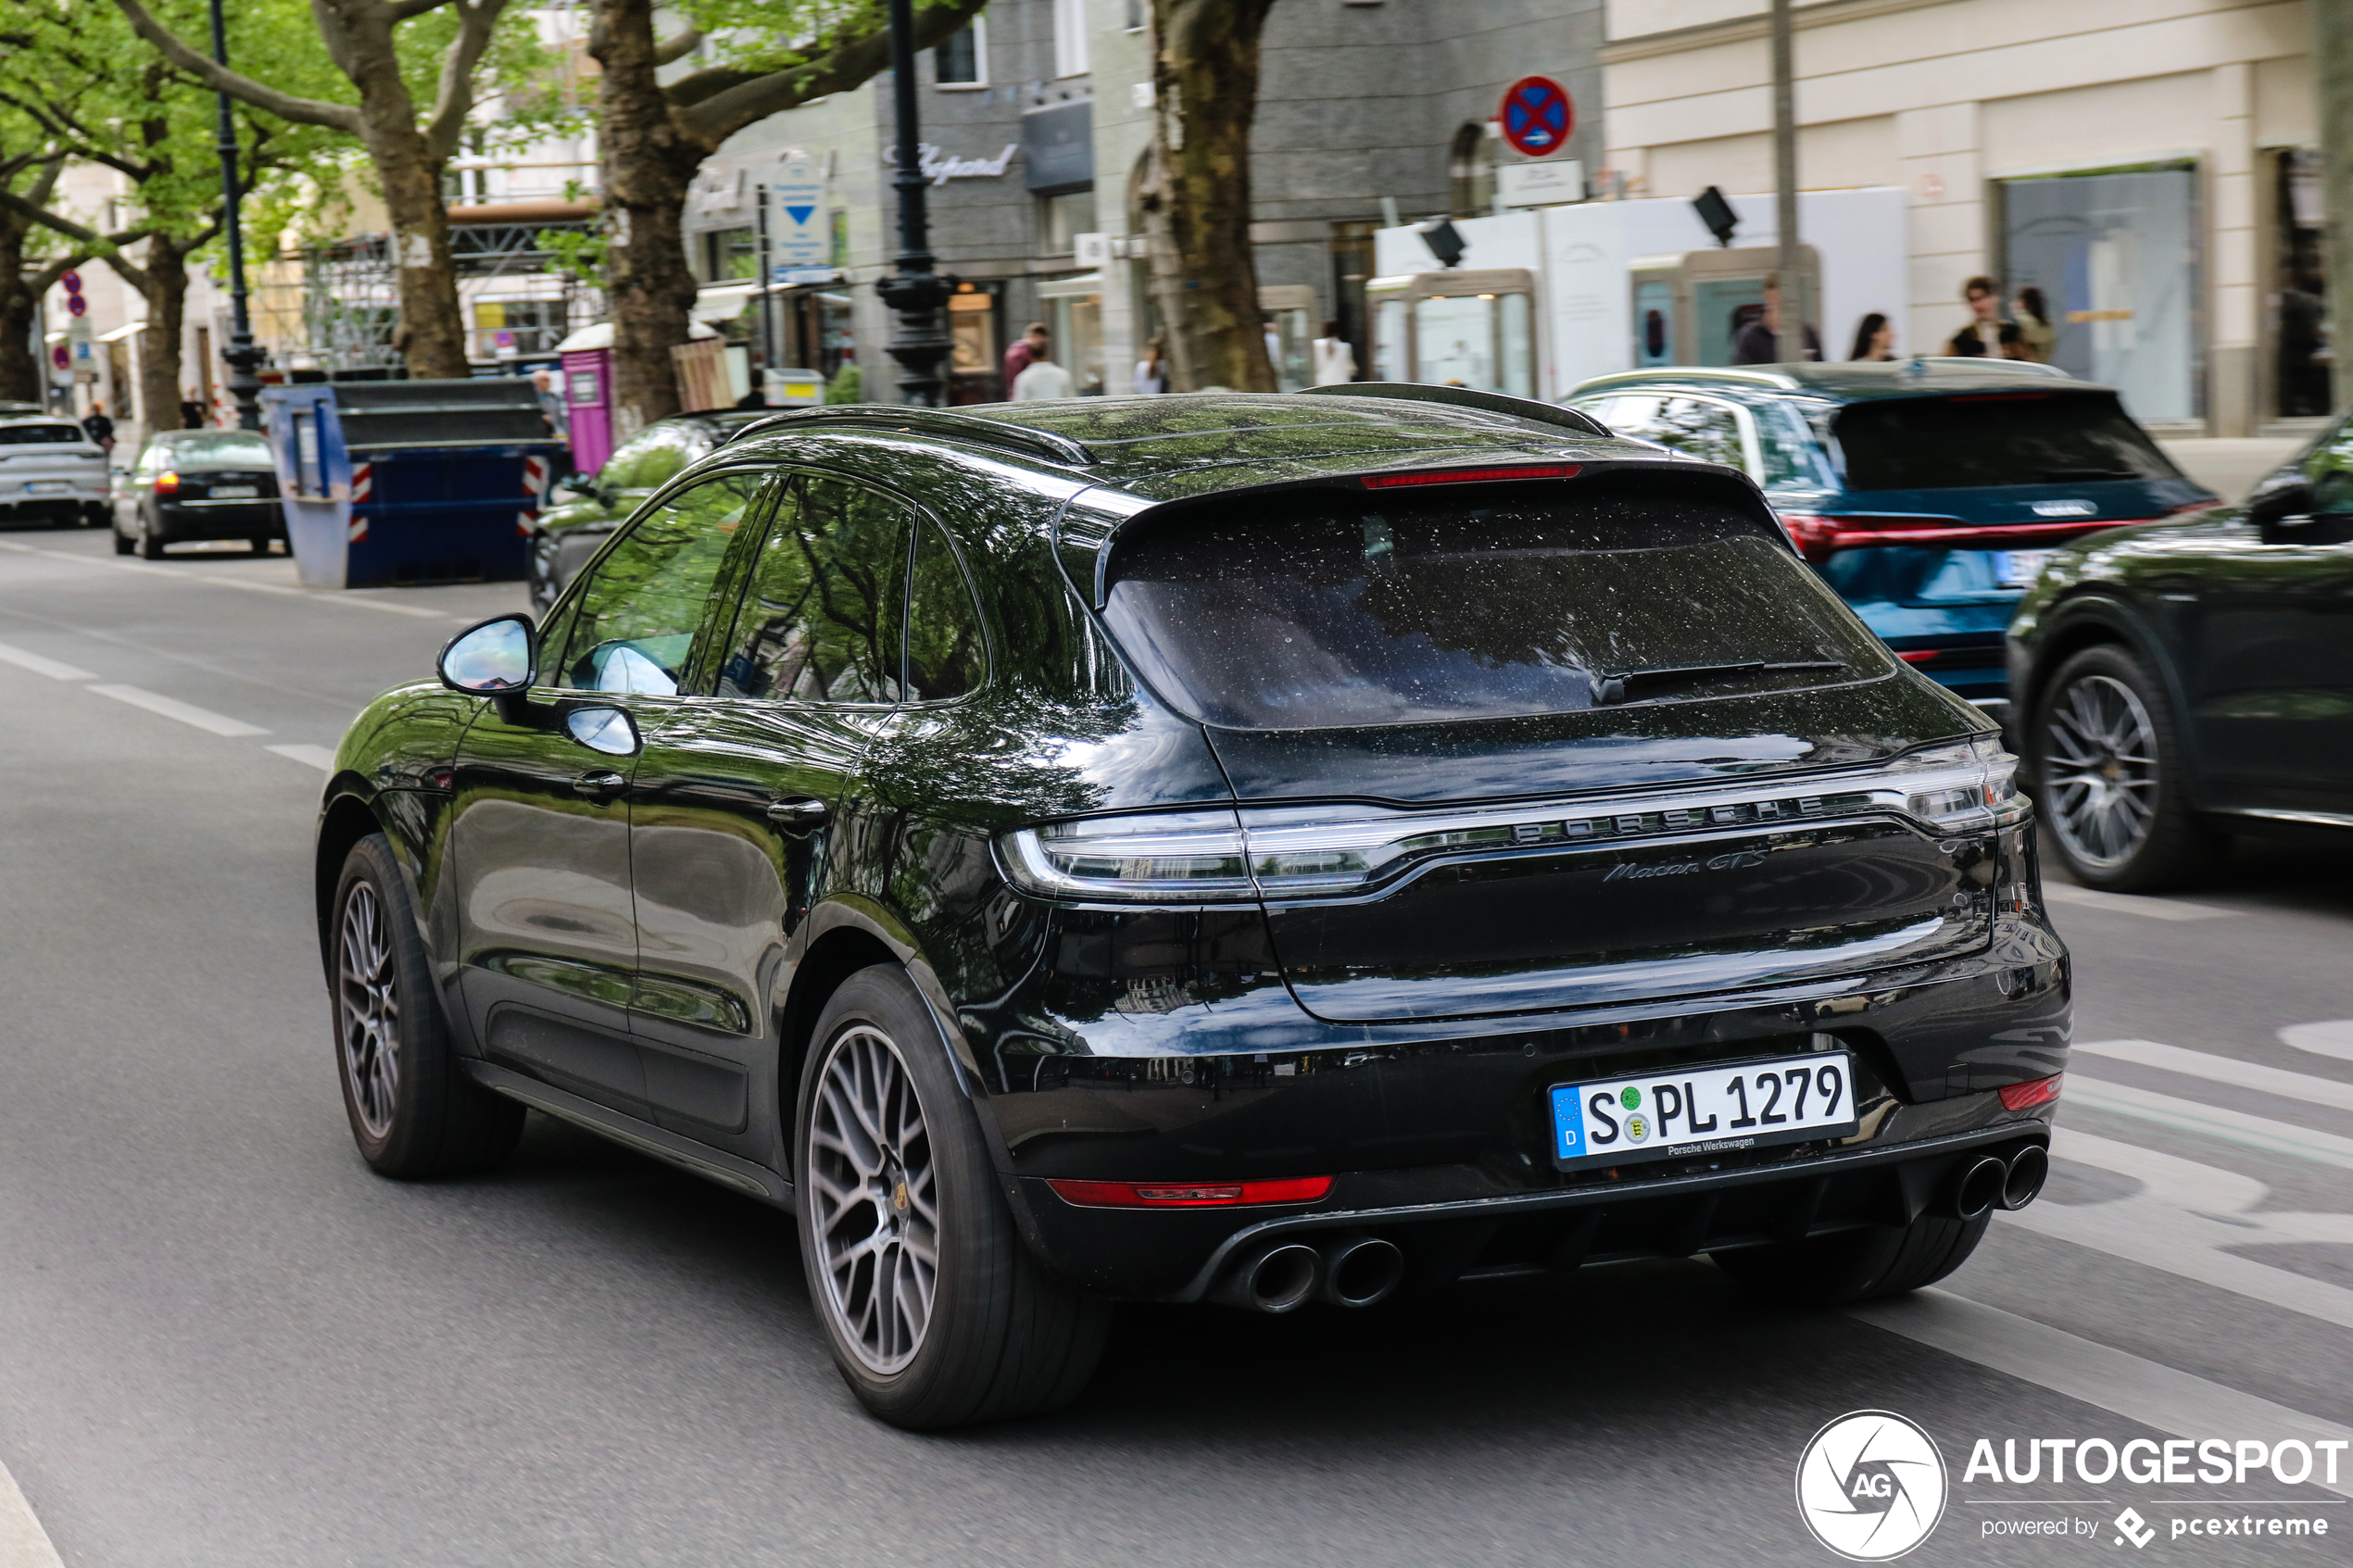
{"x":2188,"y":679}
{"x":593,"y":505}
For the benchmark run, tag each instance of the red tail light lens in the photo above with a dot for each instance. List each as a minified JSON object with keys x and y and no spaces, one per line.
{"x":2040,"y":1091}
{"x":167,"y":484}
{"x":1918,"y":655}
{"x":1472,"y":476}
{"x":1189,"y":1195}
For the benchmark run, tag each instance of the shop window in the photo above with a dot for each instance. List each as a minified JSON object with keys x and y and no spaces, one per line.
{"x":729,"y":253}
{"x":1061,"y":219}
{"x":1470,"y":169}
{"x":963,"y":60}
{"x":2299,"y":296}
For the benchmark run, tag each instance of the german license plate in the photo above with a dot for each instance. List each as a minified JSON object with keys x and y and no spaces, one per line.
{"x":1703,"y":1110}
{"x":2019,"y":569}
{"x":48,"y":486}
{"x":236,"y":492}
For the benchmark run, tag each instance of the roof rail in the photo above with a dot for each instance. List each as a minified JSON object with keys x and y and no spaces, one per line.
{"x":2027,"y":367}
{"x":945,"y":423}
{"x":1464,"y":398}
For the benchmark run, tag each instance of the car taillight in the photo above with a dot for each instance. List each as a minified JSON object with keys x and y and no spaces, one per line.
{"x":167,"y":484}
{"x":2039,"y":1091}
{"x":1471,"y":476}
{"x":1918,"y":655}
{"x":1189,"y":1195}
{"x":1289,"y":852}
{"x":1812,"y":534}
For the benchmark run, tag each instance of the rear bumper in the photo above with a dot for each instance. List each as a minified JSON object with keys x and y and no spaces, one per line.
{"x":221,"y":519}
{"x":1448,"y":1230}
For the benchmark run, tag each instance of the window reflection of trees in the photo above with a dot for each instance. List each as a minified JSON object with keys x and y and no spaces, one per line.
{"x":651,"y":589}
{"x":820,"y":621}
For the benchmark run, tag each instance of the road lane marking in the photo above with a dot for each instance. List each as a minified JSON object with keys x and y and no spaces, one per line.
{"x":2332,"y":1039}
{"x":2183,"y":1217}
{"x":2226,"y":1070}
{"x":2139,"y":1390}
{"x":57,"y":669}
{"x":187,"y":713}
{"x":2212,"y":1121}
{"x":23,"y":1543}
{"x":157,"y":572}
{"x":320,"y":756}
{"x":2129,"y":903}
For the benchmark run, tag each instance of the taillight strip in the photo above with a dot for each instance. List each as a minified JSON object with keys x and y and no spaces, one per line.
{"x":1472,"y":476}
{"x":1189,"y":1195}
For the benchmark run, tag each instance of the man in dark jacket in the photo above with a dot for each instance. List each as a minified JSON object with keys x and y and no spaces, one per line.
{"x":1987,"y":336}
{"x":1760,"y":342}
{"x":99,"y":428}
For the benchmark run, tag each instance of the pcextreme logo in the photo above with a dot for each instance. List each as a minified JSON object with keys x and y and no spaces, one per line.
{"x":1871,"y":1485}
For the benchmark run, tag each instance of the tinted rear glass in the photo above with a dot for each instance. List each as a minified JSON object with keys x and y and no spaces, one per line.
{"x":1331,"y":611}
{"x":1994,"y":438}
{"x":38,"y":435}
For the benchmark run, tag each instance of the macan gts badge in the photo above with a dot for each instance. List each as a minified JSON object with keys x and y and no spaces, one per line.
{"x":1278,"y":851}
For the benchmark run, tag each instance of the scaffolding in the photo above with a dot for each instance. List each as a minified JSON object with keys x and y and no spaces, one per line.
{"x":350,"y":299}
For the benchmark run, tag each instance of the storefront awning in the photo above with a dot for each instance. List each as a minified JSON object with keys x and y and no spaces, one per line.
{"x":1071,"y":287}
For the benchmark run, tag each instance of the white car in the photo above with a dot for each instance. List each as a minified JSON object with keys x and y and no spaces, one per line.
{"x":52,"y":472}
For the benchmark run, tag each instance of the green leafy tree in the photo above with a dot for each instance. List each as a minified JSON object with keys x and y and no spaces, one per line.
{"x":392,"y":56}
{"x":766,"y":57}
{"x":97,"y":94}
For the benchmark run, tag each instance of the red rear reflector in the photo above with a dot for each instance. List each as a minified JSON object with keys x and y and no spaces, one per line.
{"x":1472,"y":476}
{"x":1918,"y":655}
{"x":1189,"y":1195}
{"x":2042,"y":1091}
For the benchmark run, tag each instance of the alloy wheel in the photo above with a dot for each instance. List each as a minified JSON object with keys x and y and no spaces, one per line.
{"x":2100,"y":770}
{"x":874,"y":1200}
{"x":369,"y":1011}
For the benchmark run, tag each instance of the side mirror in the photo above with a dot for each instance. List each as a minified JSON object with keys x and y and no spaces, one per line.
{"x":496,"y":659}
{"x":608,"y":729}
{"x":2284,"y":503}
{"x":572,"y":486}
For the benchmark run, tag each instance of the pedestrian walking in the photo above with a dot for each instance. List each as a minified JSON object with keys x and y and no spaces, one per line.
{"x":1759,"y":342}
{"x":1987,"y":336}
{"x":1151,"y":370}
{"x":1043,"y":379}
{"x":1874,"y":339}
{"x":1030,"y":346}
{"x":1335,"y":360}
{"x":551,"y":404}
{"x":192,"y":410}
{"x":99,"y":428}
{"x":2036,"y":332}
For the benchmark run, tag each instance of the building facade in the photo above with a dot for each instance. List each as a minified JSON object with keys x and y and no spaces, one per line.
{"x":2148,"y":165}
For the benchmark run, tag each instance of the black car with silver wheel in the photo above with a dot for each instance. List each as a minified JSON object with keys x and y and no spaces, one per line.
{"x":198,"y":485}
{"x":2184,"y":682}
{"x":1273,"y":851}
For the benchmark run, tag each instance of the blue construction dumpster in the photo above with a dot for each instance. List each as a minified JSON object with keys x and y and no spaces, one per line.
{"x":397,"y":481}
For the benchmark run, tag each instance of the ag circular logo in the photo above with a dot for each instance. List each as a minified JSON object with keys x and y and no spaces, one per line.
{"x":1871,"y":1485}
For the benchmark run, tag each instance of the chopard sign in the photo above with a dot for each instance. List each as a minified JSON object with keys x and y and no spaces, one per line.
{"x":939,"y":168}
{"x":1739,"y":859}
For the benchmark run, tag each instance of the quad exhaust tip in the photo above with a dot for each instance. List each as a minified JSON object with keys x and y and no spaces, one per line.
{"x":1352,"y":1269}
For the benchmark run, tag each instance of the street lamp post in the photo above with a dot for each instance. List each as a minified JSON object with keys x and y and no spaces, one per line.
{"x":241,"y":356}
{"x":919,"y":337}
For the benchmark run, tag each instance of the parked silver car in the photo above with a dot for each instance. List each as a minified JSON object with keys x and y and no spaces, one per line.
{"x":50,"y":471}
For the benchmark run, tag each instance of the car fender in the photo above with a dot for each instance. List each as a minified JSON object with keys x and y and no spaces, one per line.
{"x":2111,"y":612}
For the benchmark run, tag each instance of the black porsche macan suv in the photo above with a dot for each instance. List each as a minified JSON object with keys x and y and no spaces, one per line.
{"x":1254,"y":848}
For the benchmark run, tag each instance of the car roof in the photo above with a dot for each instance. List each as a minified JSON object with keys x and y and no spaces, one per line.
{"x":209,"y":432}
{"x":1192,"y":444}
{"x":1844,"y":381}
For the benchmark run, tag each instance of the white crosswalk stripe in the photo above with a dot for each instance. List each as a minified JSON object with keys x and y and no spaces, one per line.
{"x":2330,"y":1092}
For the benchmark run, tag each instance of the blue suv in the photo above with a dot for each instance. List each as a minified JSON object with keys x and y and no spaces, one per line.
{"x":1928,"y":492}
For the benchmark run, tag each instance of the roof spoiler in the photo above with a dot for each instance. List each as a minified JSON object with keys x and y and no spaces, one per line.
{"x":1464,"y":398}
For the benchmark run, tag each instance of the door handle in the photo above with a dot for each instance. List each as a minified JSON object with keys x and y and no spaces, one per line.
{"x":803,"y":813}
{"x":600,"y":785}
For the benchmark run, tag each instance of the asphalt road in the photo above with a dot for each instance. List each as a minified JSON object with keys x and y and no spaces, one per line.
{"x":222,"y":1341}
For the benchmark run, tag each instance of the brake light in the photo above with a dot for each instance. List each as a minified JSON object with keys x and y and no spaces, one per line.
{"x":1189,"y":1195}
{"x":2039,"y":1091}
{"x":1918,"y":655}
{"x":167,"y":484}
{"x":1472,"y":476}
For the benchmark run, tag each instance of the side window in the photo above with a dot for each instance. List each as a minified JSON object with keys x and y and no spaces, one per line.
{"x":947,"y":655}
{"x":820,"y":621}
{"x":635,"y":617}
{"x":1636,"y":416}
{"x":1704,"y":428}
{"x":1786,"y":445}
{"x":650,"y":458}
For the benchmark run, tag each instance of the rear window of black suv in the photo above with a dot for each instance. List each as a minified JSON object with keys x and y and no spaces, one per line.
{"x":1986,"y":438}
{"x":1314,"y":609}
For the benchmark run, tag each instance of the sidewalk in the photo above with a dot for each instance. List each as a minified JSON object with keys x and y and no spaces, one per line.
{"x":2228,"y":465}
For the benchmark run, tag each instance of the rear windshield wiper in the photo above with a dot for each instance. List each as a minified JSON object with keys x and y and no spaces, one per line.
{"x":1612,"y":686}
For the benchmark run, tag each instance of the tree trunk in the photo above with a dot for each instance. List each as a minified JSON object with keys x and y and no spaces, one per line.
{"x":648,"y":165}
{"x":1206,"y":83}
{"x":165,"y":285}
{"x":24,"y":369}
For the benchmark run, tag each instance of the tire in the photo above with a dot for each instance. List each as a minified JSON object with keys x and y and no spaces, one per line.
{"x":123,"y":542}
{"x":413,"y":1110}
{"x":150,"y":542}
{"x":999,"y":1338}
{"x":259,"y":547}
{"x":541,"y":574}
{"x":1830,"y":1271}
{"x":2109,"y":777}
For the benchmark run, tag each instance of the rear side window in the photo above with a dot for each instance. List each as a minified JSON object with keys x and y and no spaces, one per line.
{"x":38,"y":434}
{"x":947,"y":655}
{"x":1332,"y":611}
{"x":1994,"y":438}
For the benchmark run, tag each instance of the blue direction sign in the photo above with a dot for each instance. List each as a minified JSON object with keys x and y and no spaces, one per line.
{"x":798,"y":235}
{"x":1536,"y":116}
